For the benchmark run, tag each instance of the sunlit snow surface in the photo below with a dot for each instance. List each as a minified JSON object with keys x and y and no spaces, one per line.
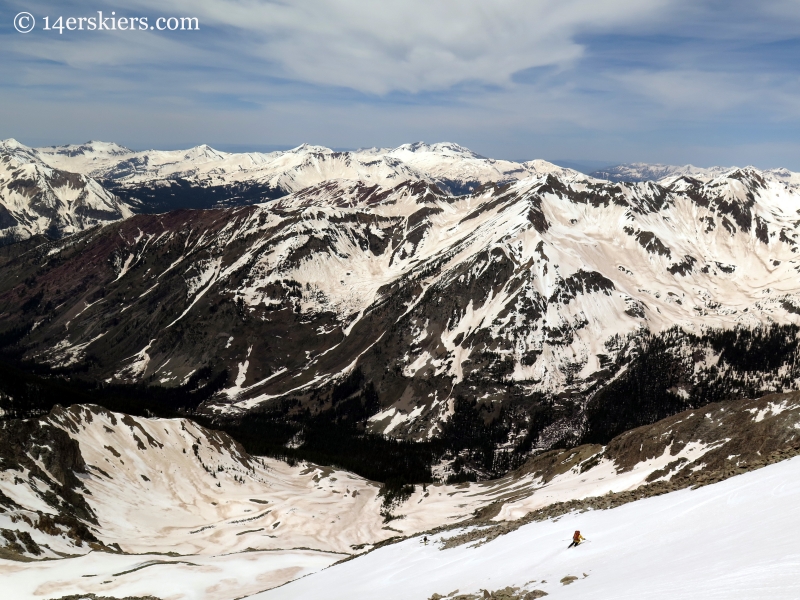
{"x":177,"y":578}
{"x":733,"y":540}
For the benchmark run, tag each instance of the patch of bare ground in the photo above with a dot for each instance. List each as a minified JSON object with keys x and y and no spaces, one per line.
{"x":508,"y":593}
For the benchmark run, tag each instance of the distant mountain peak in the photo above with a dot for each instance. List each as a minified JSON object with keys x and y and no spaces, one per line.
{"x":204,"y":151}
{"x":639,"y":171}
{"x":444,"y":148}
{"x":11,"y":143}
{"x":306,"y":148}
{"x":38,"y":199}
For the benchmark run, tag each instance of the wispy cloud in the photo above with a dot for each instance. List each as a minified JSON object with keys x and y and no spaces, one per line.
{"x":413,"y":45}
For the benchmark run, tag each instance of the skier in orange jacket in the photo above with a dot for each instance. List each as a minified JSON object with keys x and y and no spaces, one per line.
{"x":577,"y":538}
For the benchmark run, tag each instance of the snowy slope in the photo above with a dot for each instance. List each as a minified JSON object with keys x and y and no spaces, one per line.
{"x":192,"y":514}
{"x":159,"y":575}
{"x":732,"y":540}
{"x":155,"y":484}
{"x":37,"y":199}
{"x":206,"y":491}
{"x":159,"y":483}
{"x":150,"y":484}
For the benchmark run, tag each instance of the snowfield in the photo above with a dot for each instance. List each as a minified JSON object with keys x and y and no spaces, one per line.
{"x":731,"y":540}
{"x":196,"y":517}
{"x":216,"y":577}
{"x":170,"y":485}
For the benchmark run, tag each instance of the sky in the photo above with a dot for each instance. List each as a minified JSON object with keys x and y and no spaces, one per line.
{"x":707,"y":82}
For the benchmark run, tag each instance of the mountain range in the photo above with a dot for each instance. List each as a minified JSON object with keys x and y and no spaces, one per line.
{"x":529,"y":305}
{"x":656,"y":172}
{"x":406,"y":372}
{"x":201,"y":177}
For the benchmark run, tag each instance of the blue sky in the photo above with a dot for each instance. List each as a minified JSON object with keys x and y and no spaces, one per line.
{"x":671,"y":81}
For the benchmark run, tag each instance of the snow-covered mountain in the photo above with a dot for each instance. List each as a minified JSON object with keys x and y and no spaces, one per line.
{"x":202,"y":177}
{"x":110,"y":504}
{"x":459,"y":170}
{"x":544,"y":301}
{"x":506,"y":310}
{"x":37,"y":199}
{"x":656,"y":172}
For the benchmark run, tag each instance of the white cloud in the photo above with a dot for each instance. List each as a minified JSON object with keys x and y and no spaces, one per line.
{"x":413,"y":45}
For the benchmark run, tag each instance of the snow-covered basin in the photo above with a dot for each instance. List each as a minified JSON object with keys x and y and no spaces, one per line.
{"x":170,"y":578}
{"x":734,"y":539}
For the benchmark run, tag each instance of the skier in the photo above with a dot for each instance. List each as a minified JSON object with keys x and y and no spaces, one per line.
{"x":577,"y":538}
{"x":425,"y":540}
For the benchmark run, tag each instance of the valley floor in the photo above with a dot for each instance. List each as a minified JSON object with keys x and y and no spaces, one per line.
{"x":184,"y":577}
